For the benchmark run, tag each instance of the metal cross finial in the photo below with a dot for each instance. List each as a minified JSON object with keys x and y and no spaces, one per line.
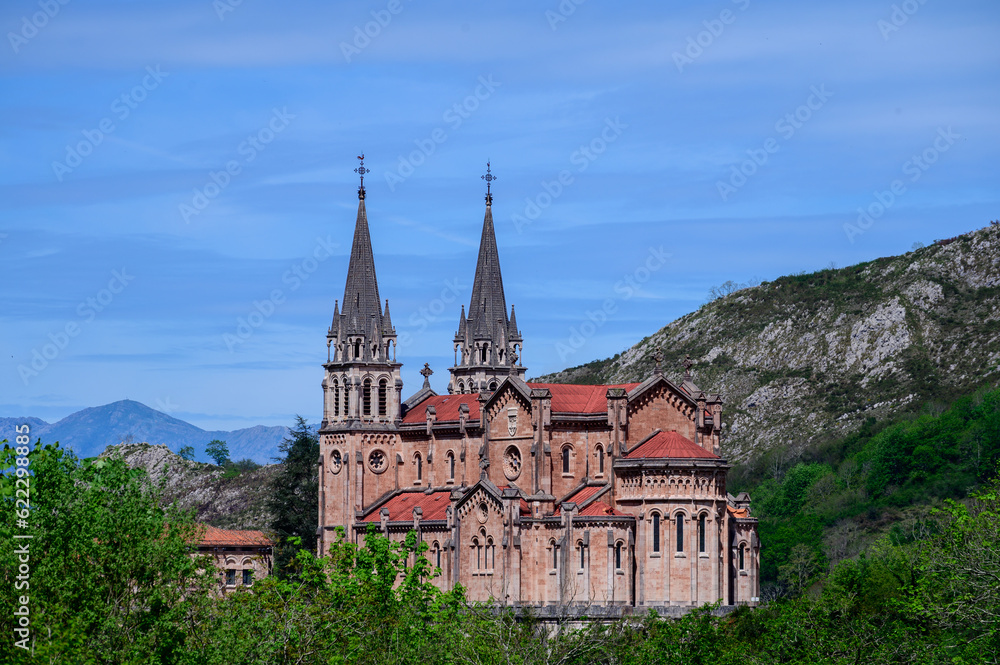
{"x":489,"y":177}
{"x":426,"y":373}
{"x":361,"y":170}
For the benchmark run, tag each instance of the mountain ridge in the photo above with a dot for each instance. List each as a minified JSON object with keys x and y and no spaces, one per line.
{"x":810,"y":357}
{"x":89,"y":431}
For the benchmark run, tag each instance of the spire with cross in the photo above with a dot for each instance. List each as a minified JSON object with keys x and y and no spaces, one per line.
{"x":489,"y":178}
{"x":426,"y":373}
{"x":361,"y":170}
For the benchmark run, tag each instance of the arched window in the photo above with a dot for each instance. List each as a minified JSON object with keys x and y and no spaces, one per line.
{"x":618,"y":555}
{"x":479,"y":553}
{"x":336,"y":398}
{"x":555,"y":554}
{"x":357,"y":349}
{"x":600,"y":460}
{"x":436,"y":549}
{"x":451,"y":465}
{"x":482,"y":354}
{"x":701,"y":533}
{"x":493,"y":386}
{"x":461,"y":388}
{"x":743,"y":549}
{"x":656,"y":532}
{"x":583,"y":554}
{"x":491,"y":554}
{"x":680,"y":533}
{"x":565,"y":459}
{"x":366,"y":397}
{"x":420,"y":467}
{"x":383,"y":389}
{"x":347,"y":397}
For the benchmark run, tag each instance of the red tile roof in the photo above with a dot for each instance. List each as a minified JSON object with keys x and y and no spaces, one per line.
{"x":669,"y":444}
{"x":446,"y":407}
{"x":567,"y":398}
{"x":401,"y":506}
{"x":742,"y":512}
{"x":212,"y":537}
{"x":581,"y":496}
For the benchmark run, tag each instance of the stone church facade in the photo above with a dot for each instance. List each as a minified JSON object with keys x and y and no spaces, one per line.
{"x":564,"y":497}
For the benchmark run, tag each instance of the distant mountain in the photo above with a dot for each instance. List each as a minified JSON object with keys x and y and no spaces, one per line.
{"x":809,"y":357}
{"x":90,"y":431}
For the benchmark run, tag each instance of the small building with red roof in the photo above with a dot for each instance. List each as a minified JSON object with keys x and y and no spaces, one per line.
{"x":242,"y":557}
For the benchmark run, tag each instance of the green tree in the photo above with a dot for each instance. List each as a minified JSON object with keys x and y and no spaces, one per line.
{"x":112,"y":578}
{"x":294,"y":499}
{"x":187,"y":453}
{"x":218,"y":451}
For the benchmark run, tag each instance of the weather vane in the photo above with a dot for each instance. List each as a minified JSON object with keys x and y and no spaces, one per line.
{"x":489,"y":177}
{"x":361,"y":170}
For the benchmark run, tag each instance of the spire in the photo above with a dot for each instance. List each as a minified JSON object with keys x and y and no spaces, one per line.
{"x":513,"y":332}
{"x":336,"y":318}
{"x":387,"y":321}
{"x":460,"y":335}
{"x":489,"y":178}
{"x":361,"y":170}
{"x":361,"y":299}
{"x":488,"y":303}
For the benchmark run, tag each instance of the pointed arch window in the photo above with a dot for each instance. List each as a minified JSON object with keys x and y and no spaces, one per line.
{"x":656,"y":532}
{"x":493,"y":386}
{"x":583,"y":554}
{"x":420,"y":467}
{"x":336,"y":398}
{"x":383,"y":390}
{"x":555,"y":554}
{"x":451,"y":466}
{"x":600,"y":460}
{"x":366,"y":397}
{"x":482,"y":354}
{"x":347,"y":397}
{"x":680,"y":533}
{"x":357,"y":349}
{"x":479,"y":553}
{"x":491,"y":554}
{"x":461,"y":388}
{"x":565,"y":459}
{"x":618,"y":555}
{"x":701,"y":533}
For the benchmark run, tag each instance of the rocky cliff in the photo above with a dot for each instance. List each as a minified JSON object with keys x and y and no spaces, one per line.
{"x":236,"y":502}
{"x":810,"y":356}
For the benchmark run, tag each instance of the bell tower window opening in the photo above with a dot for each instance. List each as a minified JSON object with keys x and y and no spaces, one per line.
{"x":336,"y":398}
{"x":383,"y":389}
{"x":366,"y":397}
{"x":482,"y":354}
{"x":347,"y":397}
{"x":357,"y":349}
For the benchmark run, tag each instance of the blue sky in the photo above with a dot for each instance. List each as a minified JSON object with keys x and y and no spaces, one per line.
{"x":644,"y":153}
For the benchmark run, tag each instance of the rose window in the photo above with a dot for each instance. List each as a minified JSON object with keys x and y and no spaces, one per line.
{"x":377,"y":462}
{"x":512,"y":463}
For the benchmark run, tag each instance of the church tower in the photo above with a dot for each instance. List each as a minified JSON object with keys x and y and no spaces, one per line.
{"x":488,"y":343}
{"x":361,"y":385}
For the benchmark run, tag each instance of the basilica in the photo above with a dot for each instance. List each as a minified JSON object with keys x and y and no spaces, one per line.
{"x":586,"y":499}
